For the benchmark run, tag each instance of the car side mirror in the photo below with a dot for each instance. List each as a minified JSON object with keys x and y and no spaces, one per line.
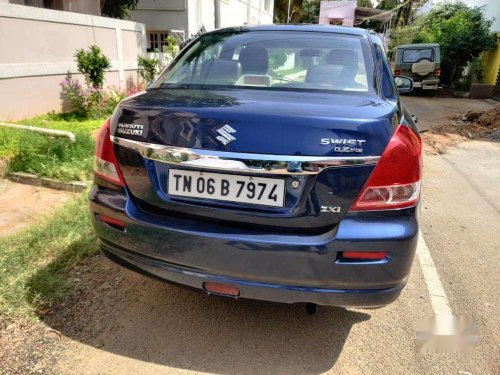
{"x":403,"y":84}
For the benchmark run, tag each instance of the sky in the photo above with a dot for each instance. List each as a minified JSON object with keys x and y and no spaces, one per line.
{"x":471,"y":3}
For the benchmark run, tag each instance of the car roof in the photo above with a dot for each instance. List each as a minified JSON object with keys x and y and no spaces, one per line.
{"x":423,"y":45}
{"x":297,"y":27}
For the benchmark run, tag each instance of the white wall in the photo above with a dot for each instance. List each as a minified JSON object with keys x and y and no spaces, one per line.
{"x":337,"y":10}
{"x":245,"y":12}
{"x":37,"y":48}
{"x":200,"y":13}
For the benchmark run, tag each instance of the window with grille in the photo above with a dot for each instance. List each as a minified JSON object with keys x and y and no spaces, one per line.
{"x":157,"y":40}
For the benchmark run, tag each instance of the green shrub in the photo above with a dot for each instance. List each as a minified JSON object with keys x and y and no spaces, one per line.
{"x":92,"y":103}
{"x":477,"y":70}
{"x":172,"y":48}
{"x":148,"y":68}
{"x":92,"y":64}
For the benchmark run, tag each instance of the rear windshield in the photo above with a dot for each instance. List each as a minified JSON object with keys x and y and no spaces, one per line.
{"x":415,"y":55}
{"x":275,"y":60}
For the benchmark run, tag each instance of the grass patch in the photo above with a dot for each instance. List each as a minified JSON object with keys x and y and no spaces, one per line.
{"x":63,"y":121}
{"x":48,"y":156}
{"x":34,"y":263}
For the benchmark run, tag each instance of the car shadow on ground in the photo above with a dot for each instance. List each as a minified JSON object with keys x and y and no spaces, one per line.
{"x":128,"y":314}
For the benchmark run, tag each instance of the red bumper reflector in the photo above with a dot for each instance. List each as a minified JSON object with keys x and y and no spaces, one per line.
{"x":115,"y":223}
{"x":364,"y":255}
{"x":223,"y":289}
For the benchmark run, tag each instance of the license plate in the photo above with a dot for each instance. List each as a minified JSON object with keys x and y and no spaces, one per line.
{"x":227,"y":187}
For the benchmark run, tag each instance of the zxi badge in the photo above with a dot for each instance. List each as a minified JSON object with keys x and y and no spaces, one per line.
{"x":334,"y":209}
{"x":225,"y":134}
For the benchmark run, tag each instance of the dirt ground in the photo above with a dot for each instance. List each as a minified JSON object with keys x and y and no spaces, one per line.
{"x":432,"y":111}
{"x":21,"y":205}
{"x":446,"y":121}
{"x":118,"y":322}
{"x":481,"y":125}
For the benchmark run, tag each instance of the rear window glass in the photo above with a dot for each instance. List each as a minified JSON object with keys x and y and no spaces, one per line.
{"x":415,"y":55}
{"x":275,"y":60}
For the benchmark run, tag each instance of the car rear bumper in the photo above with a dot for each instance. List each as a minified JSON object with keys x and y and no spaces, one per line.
{"x":281,"y":268}
{"x":426,"y":84}
{"x":252,"y":289}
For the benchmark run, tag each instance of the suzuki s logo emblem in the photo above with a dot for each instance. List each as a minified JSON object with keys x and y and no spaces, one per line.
{"x":225,"y":134}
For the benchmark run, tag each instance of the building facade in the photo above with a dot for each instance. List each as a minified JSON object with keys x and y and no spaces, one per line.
{"x":184,"y":18}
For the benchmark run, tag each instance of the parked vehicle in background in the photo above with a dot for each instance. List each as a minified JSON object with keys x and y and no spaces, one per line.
{"x":420,"y":62}
{"x":293,"y":184}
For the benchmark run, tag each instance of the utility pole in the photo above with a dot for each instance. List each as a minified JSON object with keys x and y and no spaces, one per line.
{"x":217,"y":14}
{"x":288,"y":14}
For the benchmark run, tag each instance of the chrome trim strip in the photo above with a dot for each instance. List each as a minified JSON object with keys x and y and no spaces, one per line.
{"x":235,"y":161}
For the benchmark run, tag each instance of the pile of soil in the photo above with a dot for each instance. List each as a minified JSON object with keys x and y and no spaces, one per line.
{"x":468,"y":125}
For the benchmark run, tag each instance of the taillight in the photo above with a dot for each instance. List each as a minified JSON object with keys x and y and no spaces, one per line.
{"x":437,"y":72}
{"x":396,"y":72}
{"x":395,"y":180}
{"x":105,"y":165}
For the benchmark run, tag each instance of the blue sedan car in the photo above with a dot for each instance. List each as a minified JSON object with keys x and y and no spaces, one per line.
{"x":269,"y":162}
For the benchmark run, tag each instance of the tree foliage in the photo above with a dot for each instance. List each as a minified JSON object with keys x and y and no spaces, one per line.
{"x":117,"y":8}
{"x":364,"y":3}
{"x":388,"y":4}
{"x":462,"y":33}
{"x":301,"y":11}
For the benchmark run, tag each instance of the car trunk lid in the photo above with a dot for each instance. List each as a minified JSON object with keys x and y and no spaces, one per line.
{"x":287,"y":135}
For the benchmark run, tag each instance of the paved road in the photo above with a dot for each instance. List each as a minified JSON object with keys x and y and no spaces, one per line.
{"x":436,"y":110}
{"x":137,"y":325}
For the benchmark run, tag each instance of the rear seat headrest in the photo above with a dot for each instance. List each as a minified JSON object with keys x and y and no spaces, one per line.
{"x":227,"y":70}
{"x":344,"y":57}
